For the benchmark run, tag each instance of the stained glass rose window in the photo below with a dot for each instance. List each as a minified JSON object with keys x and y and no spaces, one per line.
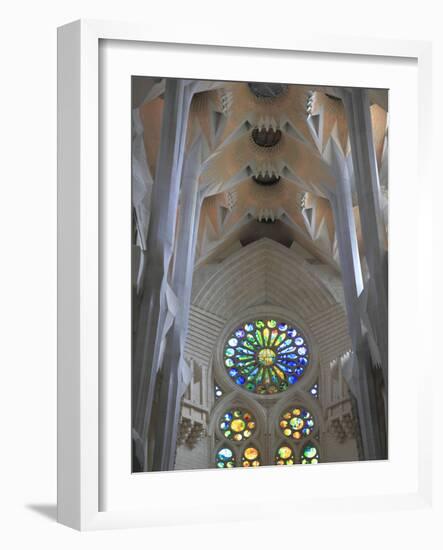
{"x":266,"y":356}
{"x":237,"y":425}
{"x":297,"y":423}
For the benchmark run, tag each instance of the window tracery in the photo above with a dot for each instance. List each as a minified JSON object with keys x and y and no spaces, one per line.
{"x":265,"y":356}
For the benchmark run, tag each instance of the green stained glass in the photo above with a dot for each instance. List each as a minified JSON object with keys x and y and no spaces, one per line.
{"x":310,"y":454}
{"x":266,"y":356}
{"x":284,"y":456}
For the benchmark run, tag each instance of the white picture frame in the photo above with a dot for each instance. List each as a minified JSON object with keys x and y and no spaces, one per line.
{"x":94,"y":493}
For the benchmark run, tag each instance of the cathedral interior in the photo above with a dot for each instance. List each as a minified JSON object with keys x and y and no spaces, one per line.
{"x":260,"y":274}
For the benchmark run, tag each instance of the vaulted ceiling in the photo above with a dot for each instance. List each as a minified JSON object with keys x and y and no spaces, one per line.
{"x":265,"y":168}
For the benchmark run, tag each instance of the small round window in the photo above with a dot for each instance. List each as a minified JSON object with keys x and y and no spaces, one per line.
{"x":237,"y":425}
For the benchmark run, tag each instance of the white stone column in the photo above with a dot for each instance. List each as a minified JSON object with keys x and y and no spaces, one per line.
{"x":155,"y":302}
{"x":175,"y":373}
{"x":358,"y":115}
{"x":358,"y":371}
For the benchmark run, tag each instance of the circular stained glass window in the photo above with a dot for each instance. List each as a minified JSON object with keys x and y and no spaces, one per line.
{"x":237,"y":425}
{"x":225,"y":458}
{"x":284,"y":456}
{"x":251,"y":457}
{"x":266,"y":356}
{"x":297,"y":423}
{"x":309,"y":455}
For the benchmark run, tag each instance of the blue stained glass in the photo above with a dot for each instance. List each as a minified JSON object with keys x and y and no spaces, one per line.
{"x":288,"y":349}
{"x":292,"y":379}
{"x":249,"y":327}
{"x":240,"y":380}
{"x":284,"y":367}
{"x":239,"y":333}
{"x":226,"y":453}
{"x":233,"y":342}
{"x":225,"y":458}
{"x":292,"y":333}
{"x":233,"y":372}
{"x":299,"y":341}
{"x":302,"y":361}
{"x":282,"y":327}
{"x":302,"y":351}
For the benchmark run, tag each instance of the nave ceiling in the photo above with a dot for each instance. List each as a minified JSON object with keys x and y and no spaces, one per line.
{"x":266,"y":173}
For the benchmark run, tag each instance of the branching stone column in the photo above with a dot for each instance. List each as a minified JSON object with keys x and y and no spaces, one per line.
{"x":358,"y":373}
{"x":358,"y":115}
{"x":175,"y":373}
{"x":149,"y":337}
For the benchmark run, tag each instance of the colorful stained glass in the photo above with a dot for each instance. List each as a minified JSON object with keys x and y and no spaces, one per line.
{"x":237,"y":424}
{"x":314,"y":391}
{"x":266,"y":356}
{"x":284,"y":456}
{"x":309,"y":454}
{"x":225,"y":458}
{"x":297,"y":423}
{"x":251,"y":457}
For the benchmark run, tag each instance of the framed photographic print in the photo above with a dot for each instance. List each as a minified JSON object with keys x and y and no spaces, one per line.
{"x":235,"y":238}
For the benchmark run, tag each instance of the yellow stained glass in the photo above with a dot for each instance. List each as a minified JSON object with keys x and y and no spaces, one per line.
{"x":285,"y":452}
{"x":251,"y":453}
{"x":266,"y":357}
{"x":238,"y":425}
